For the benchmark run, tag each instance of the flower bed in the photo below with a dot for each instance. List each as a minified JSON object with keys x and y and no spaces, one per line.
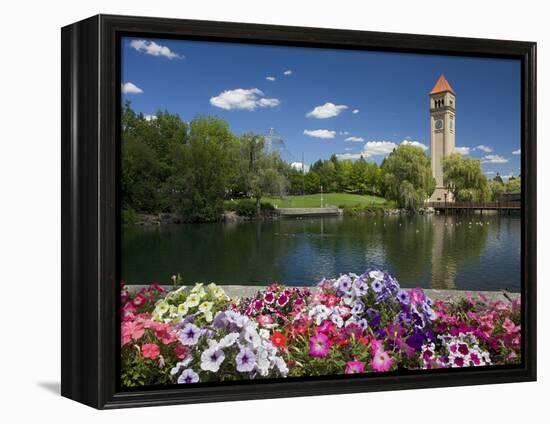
{"x":353,"y":324}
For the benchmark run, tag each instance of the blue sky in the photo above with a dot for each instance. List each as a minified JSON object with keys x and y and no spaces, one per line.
{"x":324,"y":101}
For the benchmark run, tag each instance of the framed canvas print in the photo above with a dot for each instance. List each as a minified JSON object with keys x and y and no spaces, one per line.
{"x":254,"y":211}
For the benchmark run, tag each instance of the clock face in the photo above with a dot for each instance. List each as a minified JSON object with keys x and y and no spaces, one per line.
{"x":439,"y":124}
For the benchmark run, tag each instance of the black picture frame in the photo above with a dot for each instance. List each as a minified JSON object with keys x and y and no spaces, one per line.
{"x":90,"y":214}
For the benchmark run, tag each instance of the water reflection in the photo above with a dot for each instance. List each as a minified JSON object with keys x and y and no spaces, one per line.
{"x":429,"y":251}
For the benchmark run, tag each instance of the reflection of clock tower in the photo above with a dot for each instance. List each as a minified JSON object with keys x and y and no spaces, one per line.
{"x":442,"y":130}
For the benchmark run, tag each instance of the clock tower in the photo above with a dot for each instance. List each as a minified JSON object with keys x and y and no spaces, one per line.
{"x":442,"y":133}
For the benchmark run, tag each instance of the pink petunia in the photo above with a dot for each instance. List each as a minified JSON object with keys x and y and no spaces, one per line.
{"x":355,"y":367}
{"x":264,"y":319}
{"x":319,"y":345}
{"x":132,"y":330}
{"x":381,"y":361}
{"x":150,"y":350}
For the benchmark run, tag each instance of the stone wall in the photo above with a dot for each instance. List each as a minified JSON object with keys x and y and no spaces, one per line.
{"x":236,"y":291}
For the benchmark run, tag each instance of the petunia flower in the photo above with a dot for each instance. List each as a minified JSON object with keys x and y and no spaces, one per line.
{"x":193,"y":300}
{"x":188,"y":376}
{"x":245,"y":360}
{"x":282,"y":300}
{"x":381,"y":361}
{"x":278,"y":339}
{"x":150,"y":350}
{"x":212,"y":358}
{"x":269,"y":297}
{"x":355,"y":367}
{"x":190,"y":335}
{"x":319,"y":345}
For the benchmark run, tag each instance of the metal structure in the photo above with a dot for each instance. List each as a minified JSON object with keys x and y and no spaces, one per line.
{"x":275,"y":143}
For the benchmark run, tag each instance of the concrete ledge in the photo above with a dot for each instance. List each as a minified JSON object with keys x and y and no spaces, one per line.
{"x":289,"y":212}
{"x":236,"y":291}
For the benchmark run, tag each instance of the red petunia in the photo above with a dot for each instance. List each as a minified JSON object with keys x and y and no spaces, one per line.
{"x":278,"y":339}
{"x":139,"y":300}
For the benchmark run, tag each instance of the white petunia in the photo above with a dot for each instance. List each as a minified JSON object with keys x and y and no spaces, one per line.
{"x":193,"y":300}
{"x":228,"y":340}
{"x":212,"y":358}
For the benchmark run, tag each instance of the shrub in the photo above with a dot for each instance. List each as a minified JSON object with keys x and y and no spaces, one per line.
{"x":246,"y":207}
{"x":267,"y":206}
{"x":129,"y":216}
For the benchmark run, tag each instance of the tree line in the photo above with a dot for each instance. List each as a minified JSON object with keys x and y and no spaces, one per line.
{"x":468,"y":183}
{"x":193,"y":168}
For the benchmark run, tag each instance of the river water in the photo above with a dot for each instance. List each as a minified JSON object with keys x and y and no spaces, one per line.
{"x":430,"y":251}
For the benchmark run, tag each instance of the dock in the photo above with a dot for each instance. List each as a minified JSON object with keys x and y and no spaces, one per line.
{"x":308,"y":212}
{"x":456,"y":207}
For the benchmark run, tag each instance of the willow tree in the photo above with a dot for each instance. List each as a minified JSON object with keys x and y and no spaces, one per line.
{"x":464,"y":178}
{"x":408,"y":176}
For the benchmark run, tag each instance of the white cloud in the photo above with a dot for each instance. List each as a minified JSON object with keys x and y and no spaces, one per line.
{"x":240,"y":98}
{"x":130,"y":88}
{"x":154,"y":49}
{"x":270,"y":78}
{"x":489,"y":172}
{"x":150,"y":118}
{"x":483,"y":148}
{"x":415,"y":143}
{"x":287,"y":72}
{"x":348,"y":149}
{"x":320,"y":133}
{"x":263,"y":102}
{"x":356,"y":139}
{"x":328,"y":110}
{"x":462,"y":150}
{"x":349,"y":156}
{"x":355,"y":111}
{"x":298,"y":166}
{"x":493,"y":159}
{"x":344,"y":132}
{"x":517,"y":152}
{"x":378,"y":148}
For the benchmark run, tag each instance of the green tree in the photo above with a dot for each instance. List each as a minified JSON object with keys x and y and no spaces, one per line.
{"x":513,"y":185}
{"x":312,"y":182}
{"x":199,"y":183}
{"x":262,"y":174}
{"x":464,"y":178}
{"x":496,"y":189}
{"x":408,"y":176}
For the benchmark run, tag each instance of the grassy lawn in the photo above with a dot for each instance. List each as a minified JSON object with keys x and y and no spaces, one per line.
{"x":329,"y":199}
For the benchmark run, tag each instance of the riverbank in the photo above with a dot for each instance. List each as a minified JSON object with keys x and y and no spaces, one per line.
{"x":240,"y":292}
{"x":148,"y":219}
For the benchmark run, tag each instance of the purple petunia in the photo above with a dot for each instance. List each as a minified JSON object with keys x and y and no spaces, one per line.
{"x":344,"y":284}
{"x":374,"y":316}
{"x":358,"y":308}
{"x":377,"y":286}
{"x":246,"y":360}
{"x":403,"y":297}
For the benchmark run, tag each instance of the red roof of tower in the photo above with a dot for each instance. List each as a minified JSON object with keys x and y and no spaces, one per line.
{"x":441,"y":86}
